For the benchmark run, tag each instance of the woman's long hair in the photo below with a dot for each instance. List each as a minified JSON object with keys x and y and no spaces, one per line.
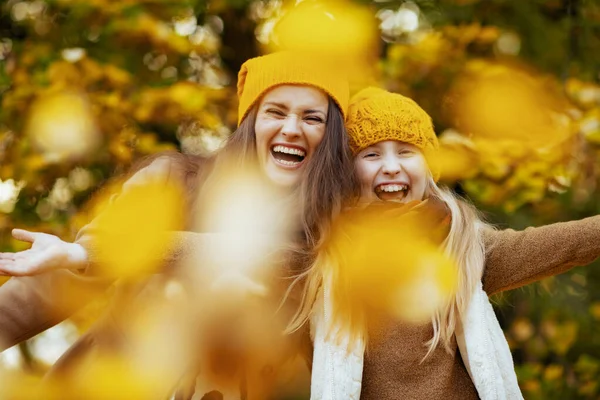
{"x":329,"y":181}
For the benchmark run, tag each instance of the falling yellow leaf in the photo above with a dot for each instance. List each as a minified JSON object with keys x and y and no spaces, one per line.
{"x":500,"y":102}
{"x":457,"y":157}
{"x":131,"y":233}
{"x":107,"y":376}
{"x":339,"y":28}
{"x":61,"y":126}
{"x":248,"y":219}
{"x":389,"y":259}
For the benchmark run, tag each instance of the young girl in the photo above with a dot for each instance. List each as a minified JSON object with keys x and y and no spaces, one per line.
{"x":395,"y":148}
{"x":291,"y":114}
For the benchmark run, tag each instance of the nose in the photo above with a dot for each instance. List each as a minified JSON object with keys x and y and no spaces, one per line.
{"x":391,"y":166}
{"x":291,"y":127}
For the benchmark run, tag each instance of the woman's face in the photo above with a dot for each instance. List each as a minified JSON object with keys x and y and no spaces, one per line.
{"x":391,"y":171}
{"x":290,"y":124}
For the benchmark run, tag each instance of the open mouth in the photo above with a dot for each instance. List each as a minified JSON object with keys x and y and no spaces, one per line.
{"x":392,"y":191}
{"x":289,"y":156}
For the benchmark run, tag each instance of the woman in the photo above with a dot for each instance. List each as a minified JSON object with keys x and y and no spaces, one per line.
{"x":291,"y":113}
{"x":395,"y":151}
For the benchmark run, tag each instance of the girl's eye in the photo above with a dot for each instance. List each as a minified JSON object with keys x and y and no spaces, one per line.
{"x":406,"y":152}
{"x":370,"y":155}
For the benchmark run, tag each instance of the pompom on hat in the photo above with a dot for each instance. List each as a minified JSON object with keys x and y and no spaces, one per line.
{"x":260,"y":74}
{"x":376,"y":115}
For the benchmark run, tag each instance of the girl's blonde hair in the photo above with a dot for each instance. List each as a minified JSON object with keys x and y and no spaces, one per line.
{"x":464,"y":244}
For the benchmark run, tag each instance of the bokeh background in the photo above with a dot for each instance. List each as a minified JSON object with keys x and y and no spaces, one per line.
{"x":89,"y":86}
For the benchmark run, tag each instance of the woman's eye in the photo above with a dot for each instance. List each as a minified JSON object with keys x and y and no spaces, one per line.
{"x":274,"y":111}
{"x":317,"y":120}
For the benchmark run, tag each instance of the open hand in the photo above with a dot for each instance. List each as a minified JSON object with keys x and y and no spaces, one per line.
{"x":47,"y":252}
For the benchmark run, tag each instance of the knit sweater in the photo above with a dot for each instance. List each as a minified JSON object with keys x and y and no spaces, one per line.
{"x":392,"y":368}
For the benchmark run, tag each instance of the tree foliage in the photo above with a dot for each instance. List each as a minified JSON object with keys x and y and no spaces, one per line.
{"x":145,"y":76}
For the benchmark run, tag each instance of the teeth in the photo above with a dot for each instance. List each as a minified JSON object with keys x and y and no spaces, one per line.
{"x":391,"y":188}
{"x":288,"y":162}
{"x":289,"y":150}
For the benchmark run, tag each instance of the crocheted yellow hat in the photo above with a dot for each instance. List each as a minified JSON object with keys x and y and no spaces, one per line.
{"x":260,"y":74}
{"x":376,"y":115}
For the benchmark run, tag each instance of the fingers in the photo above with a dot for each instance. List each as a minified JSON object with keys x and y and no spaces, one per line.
{"x":23,"y":263}
{"x":11,"y":268}
{"x":19,"y":267}
{"x":25,"y":254}
{"x":23,"y":235}
{"x":7,"y":256}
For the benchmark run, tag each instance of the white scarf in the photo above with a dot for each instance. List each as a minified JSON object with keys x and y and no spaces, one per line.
{"x":338,"y":367}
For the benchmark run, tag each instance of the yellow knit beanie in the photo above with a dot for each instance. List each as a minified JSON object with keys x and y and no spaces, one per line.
{"x":260,"y":74}
{"x":376,"y":115}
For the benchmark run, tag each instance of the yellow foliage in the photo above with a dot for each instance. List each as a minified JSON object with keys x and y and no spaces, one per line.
{"x":589,"y":125}
{"x":553,"y":372}
{"x":595,"y":310}
{"x":585,"y":94}
{"x":563,"y":336}
{"x":465,"y":34}
{"x":522,"y":329}
{"x":532,"y":386}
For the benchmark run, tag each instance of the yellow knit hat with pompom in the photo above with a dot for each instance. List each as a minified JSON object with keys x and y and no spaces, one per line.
{"x":260,"y":74}
{"x":376,"y":115}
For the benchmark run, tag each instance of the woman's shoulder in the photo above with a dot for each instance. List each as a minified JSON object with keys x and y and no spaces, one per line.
{"x":165,"y":167}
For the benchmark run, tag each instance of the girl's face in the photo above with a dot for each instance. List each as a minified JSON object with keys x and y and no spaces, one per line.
{"x":392,"y":171}
{"x":290,"y":124}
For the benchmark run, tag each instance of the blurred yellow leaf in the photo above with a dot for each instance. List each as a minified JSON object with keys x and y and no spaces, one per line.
{"x":390,"y":259}
{"x":131,"y":236}
{"x":457,"y":157}
{"x":340,"y":28}
{"x":506,"y":103}
{"x":62,"y":126}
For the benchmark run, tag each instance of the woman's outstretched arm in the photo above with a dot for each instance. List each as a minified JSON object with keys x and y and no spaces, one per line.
{"x":32,"y":304}
{"x":49,"y":252}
